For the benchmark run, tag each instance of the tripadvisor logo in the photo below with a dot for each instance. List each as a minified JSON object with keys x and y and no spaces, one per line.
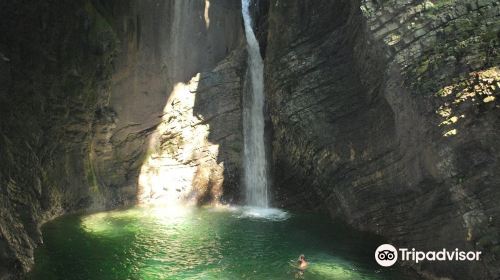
{"x":387,"y":255}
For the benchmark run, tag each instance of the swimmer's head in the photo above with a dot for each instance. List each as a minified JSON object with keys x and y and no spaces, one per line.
{"x":302,"y":257}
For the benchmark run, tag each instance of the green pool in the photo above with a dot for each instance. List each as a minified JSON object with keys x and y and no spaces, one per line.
{"x":211,"y":243}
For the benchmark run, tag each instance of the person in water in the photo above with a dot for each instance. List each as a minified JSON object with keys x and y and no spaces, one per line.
{"x":302,"y":263}
{"x":301,"y":266}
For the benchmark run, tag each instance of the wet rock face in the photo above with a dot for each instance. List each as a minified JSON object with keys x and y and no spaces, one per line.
{"x":54,"y":64}
{"x":164,"y":44}
{"x":385,"y":114}
{"x":194,"y":156}
{"x":84,"y":86}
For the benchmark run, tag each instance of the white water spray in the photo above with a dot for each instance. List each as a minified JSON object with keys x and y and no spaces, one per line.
{"x":255,"y":164}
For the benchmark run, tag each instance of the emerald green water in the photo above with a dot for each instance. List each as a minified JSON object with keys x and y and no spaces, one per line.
{"x":232,"y":243}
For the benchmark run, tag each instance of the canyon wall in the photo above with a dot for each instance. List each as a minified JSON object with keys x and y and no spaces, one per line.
{"x":88,"y":105}
{"x":165,"y":44}
{"x":55,"y":64}
{"x":385,"y":114}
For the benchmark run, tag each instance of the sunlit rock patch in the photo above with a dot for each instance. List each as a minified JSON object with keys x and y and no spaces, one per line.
{"x":472,"y":96}
{"x":181,"y":166}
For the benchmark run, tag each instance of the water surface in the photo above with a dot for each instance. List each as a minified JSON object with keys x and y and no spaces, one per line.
{"x":212,"y":243}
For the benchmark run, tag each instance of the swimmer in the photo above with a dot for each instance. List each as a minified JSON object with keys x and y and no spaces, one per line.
{"x":302,"y":263}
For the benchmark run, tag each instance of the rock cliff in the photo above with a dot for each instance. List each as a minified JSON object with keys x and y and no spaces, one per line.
{"x":385,"y":114}
{"x":382,"y":113}
{"x":89,"y":105}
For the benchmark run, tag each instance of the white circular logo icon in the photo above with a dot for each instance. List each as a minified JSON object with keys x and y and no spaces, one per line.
{"x":386,"y":255}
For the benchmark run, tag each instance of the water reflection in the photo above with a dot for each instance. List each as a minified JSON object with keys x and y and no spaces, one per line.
{"x":214,"y":243}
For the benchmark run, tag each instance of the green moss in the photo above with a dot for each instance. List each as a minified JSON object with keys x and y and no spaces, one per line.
{"x":436,"y":6}
{"x":464,"y":41}
{"x":99,"y":24}
{"x":423,"y":67}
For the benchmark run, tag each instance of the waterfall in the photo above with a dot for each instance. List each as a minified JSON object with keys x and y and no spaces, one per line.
{"x":255,"y":166}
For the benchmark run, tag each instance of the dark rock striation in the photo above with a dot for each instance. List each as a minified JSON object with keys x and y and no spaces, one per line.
{"x":84,"y":88}
{"x":386,"y":115}
{"x":55,"y":67}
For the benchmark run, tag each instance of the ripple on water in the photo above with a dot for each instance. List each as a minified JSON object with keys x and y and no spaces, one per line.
{"x":272,"y":214}
{"x":214,"y":243}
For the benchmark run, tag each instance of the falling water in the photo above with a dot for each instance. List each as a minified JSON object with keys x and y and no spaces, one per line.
{"x":253,"y":121}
